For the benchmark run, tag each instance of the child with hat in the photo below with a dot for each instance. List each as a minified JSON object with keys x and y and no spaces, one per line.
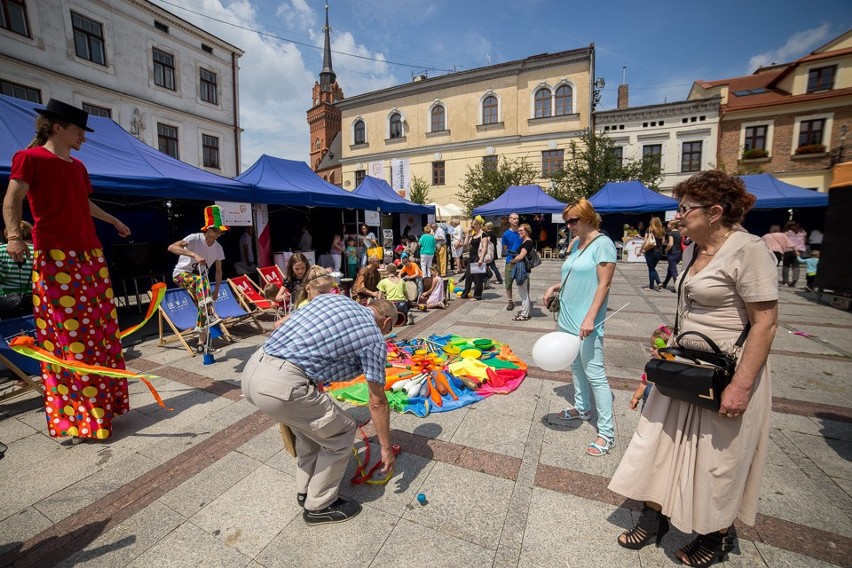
{"x":196,"y":250}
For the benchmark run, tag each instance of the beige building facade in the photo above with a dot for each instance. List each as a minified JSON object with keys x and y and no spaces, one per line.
{"x":435,"y":128}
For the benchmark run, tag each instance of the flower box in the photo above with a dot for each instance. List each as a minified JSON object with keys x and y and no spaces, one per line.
{"x":754,"y":154}
{"x":810,"y":149}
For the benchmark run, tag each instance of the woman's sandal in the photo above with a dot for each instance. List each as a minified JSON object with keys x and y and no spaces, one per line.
{"x":519,"y":317}
{"x":565,"y":414}
{"x":707,"y":549}
{"x":652,"y":525}
{"x":597,"y":450}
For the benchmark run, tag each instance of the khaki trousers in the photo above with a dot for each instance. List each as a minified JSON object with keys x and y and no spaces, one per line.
{"x":324,"y":433}
{"x":441,"y":255}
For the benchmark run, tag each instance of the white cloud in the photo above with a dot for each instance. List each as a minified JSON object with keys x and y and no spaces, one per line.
{"x":799,"y":44}
{"x":298,"y":15}
{"x":354,"y":74}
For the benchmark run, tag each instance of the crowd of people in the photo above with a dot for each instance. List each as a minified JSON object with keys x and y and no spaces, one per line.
{"x":692,"y":468}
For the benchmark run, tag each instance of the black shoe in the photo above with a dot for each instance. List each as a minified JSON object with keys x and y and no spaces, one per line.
{"x":708,"y":549}
{"x":300,"y":499}
{"x":338,"y":512}
{"x":652,"y":525}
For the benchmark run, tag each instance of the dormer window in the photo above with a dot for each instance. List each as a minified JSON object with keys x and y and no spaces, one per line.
{"x":821,"y":78}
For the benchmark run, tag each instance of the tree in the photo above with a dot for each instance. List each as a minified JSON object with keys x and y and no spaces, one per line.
{"x":419,"y":192}
{"x":484,"y":184}
{"x":592,"y":162}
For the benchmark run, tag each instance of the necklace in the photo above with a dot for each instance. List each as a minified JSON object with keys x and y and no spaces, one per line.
{"x":717,"y":247}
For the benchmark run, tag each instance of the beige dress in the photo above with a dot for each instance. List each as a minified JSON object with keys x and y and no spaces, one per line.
{"x":704,"y":469}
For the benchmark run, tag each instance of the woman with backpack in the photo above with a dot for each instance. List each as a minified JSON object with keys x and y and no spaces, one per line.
{"x":520,"y":272}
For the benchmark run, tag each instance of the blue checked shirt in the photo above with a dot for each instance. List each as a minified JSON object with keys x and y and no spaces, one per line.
{"x":332,"y":338}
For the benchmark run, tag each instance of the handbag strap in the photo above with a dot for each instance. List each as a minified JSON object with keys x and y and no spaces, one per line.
{"x":575,"y":260}
{"x":740,"y":340}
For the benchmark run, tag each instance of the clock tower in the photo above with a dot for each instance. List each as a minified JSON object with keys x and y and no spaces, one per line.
{"x":324,"y":118}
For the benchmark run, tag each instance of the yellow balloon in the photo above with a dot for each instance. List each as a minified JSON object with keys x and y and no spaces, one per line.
{"x":97,"y":412}
{"x":63,"y":278}
{"x":66,"y":301}
{"x":57,"y":254}
{"x":90,"y":391}
{"x":71,"y":325}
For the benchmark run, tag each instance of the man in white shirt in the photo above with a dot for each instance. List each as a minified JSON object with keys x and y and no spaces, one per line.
{"x":458,"y":244}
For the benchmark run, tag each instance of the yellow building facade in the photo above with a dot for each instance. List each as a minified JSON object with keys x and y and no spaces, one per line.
{"x":435,"y":128}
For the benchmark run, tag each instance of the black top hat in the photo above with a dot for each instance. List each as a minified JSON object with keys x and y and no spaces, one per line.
{"x":65,"y":112}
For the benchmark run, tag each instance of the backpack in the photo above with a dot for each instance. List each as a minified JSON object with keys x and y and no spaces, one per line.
{"x":532,"y":259}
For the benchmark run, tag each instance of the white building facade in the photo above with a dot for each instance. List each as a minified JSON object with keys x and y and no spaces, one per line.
{"x":680,"y":137}
{"x":169,"y":83}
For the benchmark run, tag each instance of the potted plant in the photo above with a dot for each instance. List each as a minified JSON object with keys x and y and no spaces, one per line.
{"x":810,"y":149}
{"x":755,"y":153}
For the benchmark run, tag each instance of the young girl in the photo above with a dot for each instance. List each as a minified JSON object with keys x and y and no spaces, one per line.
{"x":319,"y":283}
{"x":659,"y":339}
{"x":351,"y":258}
{"x":433,"y":296}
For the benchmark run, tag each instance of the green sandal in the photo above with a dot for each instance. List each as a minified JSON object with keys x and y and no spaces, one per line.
{"x":598,"y":450}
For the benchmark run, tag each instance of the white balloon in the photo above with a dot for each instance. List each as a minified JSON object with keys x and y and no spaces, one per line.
{"x":556,"y":350}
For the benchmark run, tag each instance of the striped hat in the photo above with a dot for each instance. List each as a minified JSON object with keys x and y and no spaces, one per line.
{"x":213,"y":218}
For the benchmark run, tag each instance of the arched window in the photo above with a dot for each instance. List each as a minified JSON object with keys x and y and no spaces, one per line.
{"x":396,"y":125}
{"x":542,"y":103}
{"x":360,"y":132}
{"x":489,"y":110}
{"x":439,"y":117}
{"x":317,"y":145}
{"x":564,"y":100}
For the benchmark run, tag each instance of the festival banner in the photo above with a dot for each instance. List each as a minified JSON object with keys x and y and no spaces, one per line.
{"x":401,"y":176}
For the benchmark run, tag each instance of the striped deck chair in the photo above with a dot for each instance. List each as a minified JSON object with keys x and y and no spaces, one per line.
{"x":251,"y":298}
{"x":26,"y":369}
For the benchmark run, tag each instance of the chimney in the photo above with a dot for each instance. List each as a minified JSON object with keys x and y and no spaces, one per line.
{"x":622,"y":97}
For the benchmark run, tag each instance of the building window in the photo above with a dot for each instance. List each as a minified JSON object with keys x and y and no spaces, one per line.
{"x":653,"y":154}
{"x":208,"y":86}
{"x":489,"y":110}
{"x":690,"y":159}
{"x":13,"y":17}
{"x":618,"y":155}
{"x":489,"y":164}
{"x":755,"y":138}
{"x":810,"y":131}
{"x":317,"y":144}
{"x":97,"y":111}
{"x":161,"y":26}
{"x":439,"y":118}
{"x":360,"y":131}
{"x":551,"y":162}
{"x":164,"y":69}
{"x":20,"y":91}
{"x":821,"y":78}
{"x":564,"y":103}
{"x":210,"y":151}
{"x":542,"y":103}
{"x":88,"y":38}
{"x":395,"y":125}
{"x":167,"y":140}
{"x":359,"y":176}
{"x":438,"y":173}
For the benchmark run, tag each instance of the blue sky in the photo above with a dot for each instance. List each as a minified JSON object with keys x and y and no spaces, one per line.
{"x":665,"y":45}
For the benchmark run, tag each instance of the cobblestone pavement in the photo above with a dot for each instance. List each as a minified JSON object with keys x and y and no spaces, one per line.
{"x":208,"y":483}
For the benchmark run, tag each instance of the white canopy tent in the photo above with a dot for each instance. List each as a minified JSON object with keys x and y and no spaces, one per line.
{"x":448,"y":211}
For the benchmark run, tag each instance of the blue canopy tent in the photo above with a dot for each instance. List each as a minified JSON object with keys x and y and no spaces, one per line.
{"x":277,"y":181}
{"x":522,"y":199}
{"x":390,"y":201}
{"x":773,"y":193}
{"x":118,"y":163}
{"x":630,"y":197}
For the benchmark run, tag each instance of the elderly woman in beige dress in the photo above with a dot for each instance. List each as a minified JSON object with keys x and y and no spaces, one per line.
{"x":693,"y":467}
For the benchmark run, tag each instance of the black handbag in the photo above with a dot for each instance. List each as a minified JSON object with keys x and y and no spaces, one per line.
{"x":692,"y":375}
{"x":532,"y":260}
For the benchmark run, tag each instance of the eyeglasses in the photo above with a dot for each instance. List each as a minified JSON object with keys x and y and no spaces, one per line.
{"x":572,"y":221}
{"x":684,"y":209}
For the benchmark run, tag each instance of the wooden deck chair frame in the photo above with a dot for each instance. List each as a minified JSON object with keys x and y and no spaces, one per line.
{"x":30,"y":383}
{"x":274,"y":269}
{"x":228,"y":321}
{"x":248,"y":303}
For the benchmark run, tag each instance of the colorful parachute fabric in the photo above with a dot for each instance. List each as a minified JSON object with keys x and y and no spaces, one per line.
{"x":439,"y":373}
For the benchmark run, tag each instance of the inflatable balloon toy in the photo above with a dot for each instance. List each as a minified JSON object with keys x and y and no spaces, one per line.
{"x":556,"y":351}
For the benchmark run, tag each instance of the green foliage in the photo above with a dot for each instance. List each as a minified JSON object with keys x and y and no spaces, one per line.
{"x":419,"y":191}
{"x":482,"y":185}
{"x":591,"y":162}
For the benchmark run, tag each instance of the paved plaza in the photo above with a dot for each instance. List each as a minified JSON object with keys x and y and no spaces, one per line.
{"x":209,"y":483}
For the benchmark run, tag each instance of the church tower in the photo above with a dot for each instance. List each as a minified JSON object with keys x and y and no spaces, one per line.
{"x":324,"y":117}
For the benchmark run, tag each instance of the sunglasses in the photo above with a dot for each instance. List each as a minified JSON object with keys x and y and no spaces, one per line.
{"x":572,"y":221}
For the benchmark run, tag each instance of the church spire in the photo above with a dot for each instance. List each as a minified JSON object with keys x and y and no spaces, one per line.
{"x":327,"y":75}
